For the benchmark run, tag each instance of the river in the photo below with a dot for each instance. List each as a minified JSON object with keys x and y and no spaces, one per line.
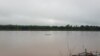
{"x":47,"y":43}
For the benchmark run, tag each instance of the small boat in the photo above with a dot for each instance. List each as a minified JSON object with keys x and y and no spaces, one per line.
{"x":47,"y":34}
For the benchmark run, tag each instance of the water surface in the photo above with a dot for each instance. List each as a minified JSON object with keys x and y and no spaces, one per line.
{"x":47,"y":43}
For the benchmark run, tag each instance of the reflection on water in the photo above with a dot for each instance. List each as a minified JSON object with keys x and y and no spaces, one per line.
{"x":47,"y":43}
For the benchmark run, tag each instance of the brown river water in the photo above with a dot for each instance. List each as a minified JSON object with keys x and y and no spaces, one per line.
{"x":47,"y":43}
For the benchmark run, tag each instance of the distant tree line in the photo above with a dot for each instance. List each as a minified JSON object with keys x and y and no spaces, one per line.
{"x":47,"y":28}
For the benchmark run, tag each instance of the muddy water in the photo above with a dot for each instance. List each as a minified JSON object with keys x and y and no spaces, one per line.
{"x":47,"y":43}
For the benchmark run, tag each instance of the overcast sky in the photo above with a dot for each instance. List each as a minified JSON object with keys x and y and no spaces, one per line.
{"x":50,"y":12}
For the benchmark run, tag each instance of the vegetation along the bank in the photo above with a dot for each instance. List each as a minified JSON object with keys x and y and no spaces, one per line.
{"x":48,"y":28}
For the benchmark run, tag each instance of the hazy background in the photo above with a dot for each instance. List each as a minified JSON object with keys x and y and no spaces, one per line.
{"x":50,"y":12}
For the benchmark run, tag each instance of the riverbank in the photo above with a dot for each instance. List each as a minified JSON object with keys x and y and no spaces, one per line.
{"x":48,"y":28}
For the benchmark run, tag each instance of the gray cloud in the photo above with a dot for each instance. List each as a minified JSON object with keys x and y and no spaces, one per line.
{"x":50,"y":12}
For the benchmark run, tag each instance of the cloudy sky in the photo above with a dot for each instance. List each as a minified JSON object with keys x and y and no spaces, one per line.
{"x":50,"y":12}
